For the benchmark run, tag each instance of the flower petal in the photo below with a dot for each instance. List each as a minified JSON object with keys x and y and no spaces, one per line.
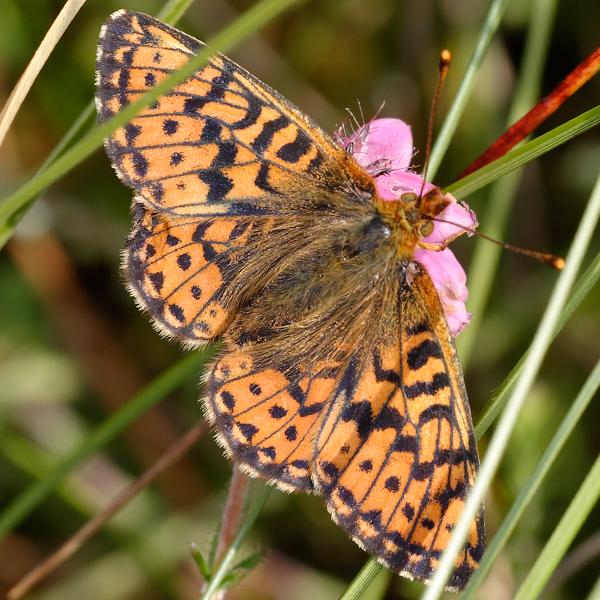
{"x":460,"y":219}
{"x":449,"y":279}
{"x":384,"y":148}
{"x":382,"y":139}
{"x":391,"y":186}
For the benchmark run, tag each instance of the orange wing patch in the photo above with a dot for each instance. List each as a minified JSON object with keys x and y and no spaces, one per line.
{"x":266,"y":420}
{"x":213,"y":145}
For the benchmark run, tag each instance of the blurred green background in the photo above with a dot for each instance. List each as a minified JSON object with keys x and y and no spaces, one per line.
{"x":73,"y":346}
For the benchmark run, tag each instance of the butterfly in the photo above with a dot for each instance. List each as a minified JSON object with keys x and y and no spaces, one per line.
{"x":339,"y":374}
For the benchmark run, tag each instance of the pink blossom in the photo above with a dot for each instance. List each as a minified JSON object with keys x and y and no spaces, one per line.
{"x":385,"y":148}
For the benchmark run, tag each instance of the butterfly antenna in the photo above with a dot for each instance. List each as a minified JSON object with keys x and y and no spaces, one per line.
{"x":445,"y":58}
{"x":554,"y":261}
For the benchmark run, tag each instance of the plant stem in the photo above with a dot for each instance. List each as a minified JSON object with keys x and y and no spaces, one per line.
{"x":232,"y":515}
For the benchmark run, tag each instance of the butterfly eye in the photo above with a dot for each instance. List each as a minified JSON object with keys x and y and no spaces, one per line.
{"x":426,"y":229}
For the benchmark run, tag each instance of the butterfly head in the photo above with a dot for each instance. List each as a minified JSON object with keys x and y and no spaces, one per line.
{"x":413,"y":216}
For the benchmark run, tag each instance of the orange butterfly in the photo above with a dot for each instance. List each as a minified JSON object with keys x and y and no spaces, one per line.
{"x":339,"y":373}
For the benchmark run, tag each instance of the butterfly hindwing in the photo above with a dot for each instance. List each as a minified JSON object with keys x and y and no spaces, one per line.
{"x":266,"y":418}
{"x":395,"y":455}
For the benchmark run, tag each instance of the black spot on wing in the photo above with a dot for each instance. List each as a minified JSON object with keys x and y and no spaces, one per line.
{"x":439,"y":382}
{"x":361,"y":414}
{"x":226,"y":156}
{"x":392,"y":484}
{"x":140,"y":164}
{"x":253,"y":112}
{"x":219,"y":185}
{"x":184,"y":261}
{"x":248,"y":430}
{"x":418,"y":356}
{"x":421,"y":327}
{"x":278,"y":412}
{"x":211,"y":131}
{"x":177,"y":312}
{"x":408,"y":511}
{"x":157,"y":280}
{"x":200,"y":231}
{"x":264,"y":139}
{"x":131,"y":132}
{"x":294,"y":151}
{"x":228,"y":400}
{"x":382,"y":374}
{"x":170,"y":126}
{"x":261,"y":180}
{"x":436,"y":411}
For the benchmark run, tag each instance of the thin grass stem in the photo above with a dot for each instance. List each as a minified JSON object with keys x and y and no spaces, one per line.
{"x":560,"y":540}
{"x":526,"y":494}
{"x":215,"y":583}
{"x":164,"y":384}
{"x":539,"y":346}
{"x":503,"y":192}
{"x":53,"y":35}
{"x":490,"y":25}
{"x":73,"y":544}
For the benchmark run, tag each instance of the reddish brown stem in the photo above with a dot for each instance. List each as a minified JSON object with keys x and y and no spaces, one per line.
{"x":539,"y":113}
{"x":232,"y":514}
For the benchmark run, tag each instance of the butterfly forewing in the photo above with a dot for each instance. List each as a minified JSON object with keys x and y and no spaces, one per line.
{"x":339,"y":373}
{"x":219,"y":143}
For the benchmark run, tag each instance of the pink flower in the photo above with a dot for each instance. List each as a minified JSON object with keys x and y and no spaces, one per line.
{"x":385,"y":148}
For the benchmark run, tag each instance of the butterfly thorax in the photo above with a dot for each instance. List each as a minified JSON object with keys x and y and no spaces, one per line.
{"x":410,"y":218}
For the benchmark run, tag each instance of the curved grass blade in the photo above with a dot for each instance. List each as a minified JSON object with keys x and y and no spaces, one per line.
{"x":526,"y":494}
{"x":539,"y":346}
{"x":490,"y":25}
{"x":249,"y":22}
{"x":559,"y":542}
{"x":519,"y":156}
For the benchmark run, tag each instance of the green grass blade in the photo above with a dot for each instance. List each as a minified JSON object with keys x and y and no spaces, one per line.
{"x":487,"y":256}
{"x":459,"y":103}
{"x":364,"y":578}
{"x":526,"y":494}
{"x":7,"y":227}
{"x":173,"y":10}
{"x":586,"y":282}
{"x":519,"y":156}
{"x":541,"y":341}
{"x":595,"y":593}
{"x":559,"y":542}
{"x":57,"y":29}
{"x":15,"y":512}
{"x":249,"y":22}
{"x":170,"y":13}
